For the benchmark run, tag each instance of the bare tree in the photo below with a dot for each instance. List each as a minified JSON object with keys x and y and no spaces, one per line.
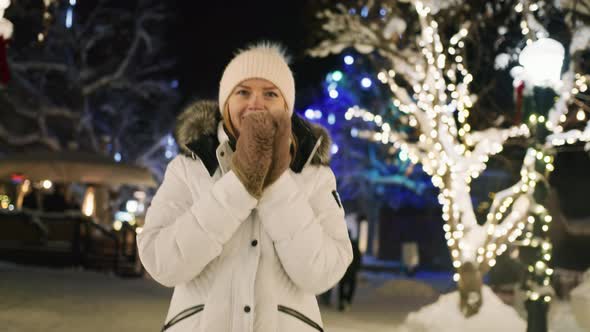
{"x":99,"y":77}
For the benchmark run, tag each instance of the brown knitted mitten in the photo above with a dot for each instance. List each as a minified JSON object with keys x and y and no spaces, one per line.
{"x":253,"y":155}
{"x":281,"y":156}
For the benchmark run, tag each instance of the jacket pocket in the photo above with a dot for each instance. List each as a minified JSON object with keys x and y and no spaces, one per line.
{"x":186,"y":313}
{"x":297,"y":315}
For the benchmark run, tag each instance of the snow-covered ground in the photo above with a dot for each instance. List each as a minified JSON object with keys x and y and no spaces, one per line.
{"x":444,"y":316}
{"x":494,"y":315}
{"x":580,"y":299}
{"x":38,"y":299}
{"x":561,"y":318}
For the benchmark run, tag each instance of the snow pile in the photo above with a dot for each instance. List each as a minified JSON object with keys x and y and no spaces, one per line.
{"x":580,"y":40}
{"x":444,"y":316}
{"x":561,"y":318}
{"x":580,"y":299}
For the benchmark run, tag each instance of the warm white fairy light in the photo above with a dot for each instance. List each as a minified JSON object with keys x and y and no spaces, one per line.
{"x":568,"y":89}
{"x":573,"y":85}
{"x":453,"y":155}
{"x":385,"y":135}
{"x":520,"y":209}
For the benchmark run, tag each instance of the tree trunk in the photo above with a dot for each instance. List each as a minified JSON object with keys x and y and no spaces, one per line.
{"x":470,"y":284}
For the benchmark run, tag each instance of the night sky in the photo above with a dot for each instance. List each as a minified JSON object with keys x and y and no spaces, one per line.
{"x":207,"y":34}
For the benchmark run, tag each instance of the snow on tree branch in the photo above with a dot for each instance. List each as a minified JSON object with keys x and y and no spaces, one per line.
{"x":430,"y":84}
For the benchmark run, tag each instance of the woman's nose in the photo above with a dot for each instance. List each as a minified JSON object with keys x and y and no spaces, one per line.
{"x":255,"y":101}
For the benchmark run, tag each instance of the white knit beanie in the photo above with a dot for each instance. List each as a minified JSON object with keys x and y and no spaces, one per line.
{"x":266,"y":61}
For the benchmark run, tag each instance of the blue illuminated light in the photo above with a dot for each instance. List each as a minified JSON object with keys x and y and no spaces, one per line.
{"x":334,"y":149}
{"x":69,"y":18}
{"x":366,"y":82}
{"x":331,"y":118}
{"x":365,"y":11}
{"x":403,"y":155}
{"x":337,"y":76}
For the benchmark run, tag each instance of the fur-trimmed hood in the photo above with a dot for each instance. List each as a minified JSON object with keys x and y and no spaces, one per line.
{"x":196,"y":134}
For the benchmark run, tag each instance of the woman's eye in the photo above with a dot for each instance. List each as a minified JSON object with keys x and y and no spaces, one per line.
{"x":271,"y":94}
{"x":242,"y":92}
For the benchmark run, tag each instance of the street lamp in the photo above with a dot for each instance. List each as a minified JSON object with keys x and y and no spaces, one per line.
{"x":542,"y":61}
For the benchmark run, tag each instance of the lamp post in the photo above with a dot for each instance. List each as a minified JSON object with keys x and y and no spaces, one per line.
{"x":542,"y":61}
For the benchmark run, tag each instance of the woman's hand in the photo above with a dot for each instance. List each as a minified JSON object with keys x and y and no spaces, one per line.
{"x":281,"y":156}
{"x":252,"y":159}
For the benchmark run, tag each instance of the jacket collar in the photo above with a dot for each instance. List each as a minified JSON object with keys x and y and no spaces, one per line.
{"x":199,"y":132}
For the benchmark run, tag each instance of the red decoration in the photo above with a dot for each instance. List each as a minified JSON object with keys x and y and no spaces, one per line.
{"x":4,"y":73}
{"x":518,"y":95}
{"x":17,"y":178}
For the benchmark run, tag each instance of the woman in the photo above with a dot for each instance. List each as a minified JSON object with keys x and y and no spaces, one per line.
{"x":247,"y":225}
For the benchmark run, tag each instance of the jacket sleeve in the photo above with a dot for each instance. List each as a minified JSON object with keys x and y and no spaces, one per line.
{"x":183,"y":232}
{"x":309,"y":233}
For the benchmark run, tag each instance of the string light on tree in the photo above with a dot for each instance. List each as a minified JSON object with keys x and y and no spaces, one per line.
{"x":447,"y":149}
{"x":542,"y":59}
{"x":367,"y":169}
{"x":431,"y":85}
{"x":47,"y":19}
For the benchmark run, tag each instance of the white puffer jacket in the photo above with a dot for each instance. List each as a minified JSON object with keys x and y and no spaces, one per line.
{"x":240,"y":264}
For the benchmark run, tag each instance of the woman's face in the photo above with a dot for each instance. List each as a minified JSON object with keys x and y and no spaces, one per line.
{"x":254,"y":95}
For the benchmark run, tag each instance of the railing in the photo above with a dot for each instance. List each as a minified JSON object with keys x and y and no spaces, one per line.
{"x":90,"y":244}
{"x":71,"y":234}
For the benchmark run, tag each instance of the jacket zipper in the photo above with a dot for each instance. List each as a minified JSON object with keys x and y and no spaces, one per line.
{"x":186,"y":313}
{"x":300,"y":316}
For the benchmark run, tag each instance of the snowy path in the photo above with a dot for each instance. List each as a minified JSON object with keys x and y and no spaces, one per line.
{"x":34,"y":300}
{"x":39,"y":299}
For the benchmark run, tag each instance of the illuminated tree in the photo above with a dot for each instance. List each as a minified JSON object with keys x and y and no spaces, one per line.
{"x":425,"y":67}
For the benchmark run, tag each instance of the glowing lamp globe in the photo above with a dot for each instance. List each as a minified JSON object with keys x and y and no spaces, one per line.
{"x":542,"y":61}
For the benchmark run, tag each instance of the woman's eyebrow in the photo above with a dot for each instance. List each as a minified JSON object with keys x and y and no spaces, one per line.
{"x":263,"y":88}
